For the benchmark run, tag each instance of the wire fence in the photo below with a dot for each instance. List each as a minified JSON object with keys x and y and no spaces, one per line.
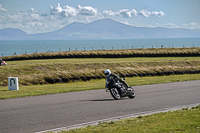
{"x":68,"y":49}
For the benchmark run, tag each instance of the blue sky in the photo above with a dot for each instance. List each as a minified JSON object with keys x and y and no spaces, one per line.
{"x":38,"y":16}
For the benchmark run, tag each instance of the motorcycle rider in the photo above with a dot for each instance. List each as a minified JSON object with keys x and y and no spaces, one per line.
{"x":109,"y":76}
{"x":2,"y":62}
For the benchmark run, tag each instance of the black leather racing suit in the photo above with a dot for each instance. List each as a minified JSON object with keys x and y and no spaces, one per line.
{"x":115,"y":77}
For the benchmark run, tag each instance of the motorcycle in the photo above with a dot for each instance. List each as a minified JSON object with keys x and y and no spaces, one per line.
{"x":119,"y":90}
{"x":3,"y":63}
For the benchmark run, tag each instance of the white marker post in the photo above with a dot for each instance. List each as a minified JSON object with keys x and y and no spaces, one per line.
{"x":13,"y":83}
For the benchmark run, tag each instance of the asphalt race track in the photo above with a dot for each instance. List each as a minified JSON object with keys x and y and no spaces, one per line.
{"x":39,"y":113}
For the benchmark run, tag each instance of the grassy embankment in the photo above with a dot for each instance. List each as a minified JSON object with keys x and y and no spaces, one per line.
{"x":33,"y":72}
{"x":184,"y":121}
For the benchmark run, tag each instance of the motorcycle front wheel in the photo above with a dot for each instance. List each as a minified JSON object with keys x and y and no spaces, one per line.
{"x":132,"y":95}
{"x":115,"y":93}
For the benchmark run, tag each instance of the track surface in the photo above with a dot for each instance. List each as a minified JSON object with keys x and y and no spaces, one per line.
{"x":39,"y":113}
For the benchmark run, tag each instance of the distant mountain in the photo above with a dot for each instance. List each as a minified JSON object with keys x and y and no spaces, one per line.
{"x":103,"y":29}
{"x":12,"y":34}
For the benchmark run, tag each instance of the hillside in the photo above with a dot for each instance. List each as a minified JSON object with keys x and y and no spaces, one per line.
{"x":12,"y":34}
{"x":100,"y":29}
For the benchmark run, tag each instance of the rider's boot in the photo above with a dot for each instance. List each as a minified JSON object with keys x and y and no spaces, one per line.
{"x":129,"y":88}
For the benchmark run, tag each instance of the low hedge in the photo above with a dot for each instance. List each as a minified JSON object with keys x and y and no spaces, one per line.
{"x":141,"y":74}
{"x":154,"y":52}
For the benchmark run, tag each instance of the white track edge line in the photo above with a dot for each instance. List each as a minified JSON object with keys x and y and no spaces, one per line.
{"x":120,"y":118}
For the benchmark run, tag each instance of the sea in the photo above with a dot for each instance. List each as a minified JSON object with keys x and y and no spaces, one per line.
{"x":17,"y":47}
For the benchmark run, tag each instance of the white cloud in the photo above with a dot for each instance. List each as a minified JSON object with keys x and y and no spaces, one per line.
{"x":107,"y":13}
{"x":56,"y":9}
{"x":35,"y":17}
{"x":22,"y":16}
{"x":2,"y":9}
{"x":14,"y":18}
{"x":126,"y":23}
{"x":126,"y":13}
{"x":192,"y":25}
{"x":147,"y":14}
{"x":68,"y":11}
{"x":86,"y":11}
{"x":32,"y":10}
{"x":157,"y":14}
{"x":129,"y":13}
{"x":167,"y":25}
{"x":34,"y":21}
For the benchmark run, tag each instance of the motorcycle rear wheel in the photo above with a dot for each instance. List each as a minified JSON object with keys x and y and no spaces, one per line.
{"x":115,"y":93}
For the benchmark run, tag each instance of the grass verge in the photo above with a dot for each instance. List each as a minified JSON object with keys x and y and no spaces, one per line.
{"x":35,"y":90}
{"x":185,"y":120}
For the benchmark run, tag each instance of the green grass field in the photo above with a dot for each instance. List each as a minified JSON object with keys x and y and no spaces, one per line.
{"x":182,"y":121}
{"x":34,"y":90}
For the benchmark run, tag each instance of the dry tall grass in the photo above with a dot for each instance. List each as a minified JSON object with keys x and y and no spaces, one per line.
{"x":32,"y":72}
